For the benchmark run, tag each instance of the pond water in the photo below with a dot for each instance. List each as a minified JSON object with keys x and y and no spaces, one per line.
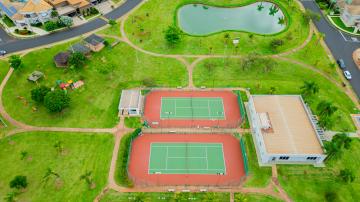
{"x":260,"y":18}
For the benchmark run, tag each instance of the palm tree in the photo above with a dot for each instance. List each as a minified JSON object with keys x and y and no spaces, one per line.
{"x":59,"y":147}
{"x":88,"y":179}
{"x":332,"y":150}
{"x":49,"y":172}
{"x":343,"y":140}
{"x":309,"y":88}
{"x":326,"y":108}
{"x":346,"y":175}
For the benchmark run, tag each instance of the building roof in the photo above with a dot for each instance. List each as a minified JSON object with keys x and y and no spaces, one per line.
{"x":353,"y":8}
{"x":8,"y":8}
{"x":35,"y":6}
{"x":94,"y":40}
{"x":61,"y":59}
{"x":292,"y":130}
{"x":79,"y":3}
{"x":130,"y":99}
{"x":79,"y":48}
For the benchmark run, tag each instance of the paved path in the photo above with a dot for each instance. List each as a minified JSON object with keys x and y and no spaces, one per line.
{"x":339,"y":43}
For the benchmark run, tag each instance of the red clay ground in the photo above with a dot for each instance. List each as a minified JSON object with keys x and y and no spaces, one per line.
{"x":153,"y":108}
{"x":140,"y":152}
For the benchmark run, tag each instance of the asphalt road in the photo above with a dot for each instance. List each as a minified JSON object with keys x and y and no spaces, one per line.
{"x":12,"y":45}
{"x":340,"y":44}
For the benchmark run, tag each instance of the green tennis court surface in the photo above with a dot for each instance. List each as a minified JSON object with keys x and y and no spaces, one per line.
{"x":186,"y":158}
{"x":192,"y":108}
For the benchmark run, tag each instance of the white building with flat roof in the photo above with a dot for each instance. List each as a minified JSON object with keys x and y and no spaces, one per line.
{"x":131,"y":103}
{"x":284,"y":130}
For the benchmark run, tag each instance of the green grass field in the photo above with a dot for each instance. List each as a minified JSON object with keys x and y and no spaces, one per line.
{"x":192,"y":108}
{"x":258,"y":176}
{"x":112,"y":196}
{"x":286,"y":78}
{"x":307,"y":183}
{"x":239,"y":197}
{"x":105,"y":75}
{"x":186,"y":158}
{"x":80,"y":153}
{"x":141,"y":24}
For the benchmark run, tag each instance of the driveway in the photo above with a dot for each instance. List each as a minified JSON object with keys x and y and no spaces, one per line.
{"x":340,"y":44}
{"x":19,"y":45}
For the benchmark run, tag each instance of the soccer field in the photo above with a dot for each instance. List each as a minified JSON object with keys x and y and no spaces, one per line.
{"x":211,"y":108}
{"x":187,"y":158}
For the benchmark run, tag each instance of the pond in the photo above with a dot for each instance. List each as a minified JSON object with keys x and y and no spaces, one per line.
{"x":260,"y":18}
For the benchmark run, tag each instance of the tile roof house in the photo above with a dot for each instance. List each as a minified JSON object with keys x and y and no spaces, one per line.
{"x":69,"y":7}
{"x":61,"y":59}
{"x":78,"y":47}
{"x":350,"y":12}
{"x":94,"y":42}
{"x":26,"y":13}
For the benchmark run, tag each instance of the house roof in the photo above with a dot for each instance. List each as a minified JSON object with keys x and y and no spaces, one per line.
{"x":94,"y":40}
{"x":292,"y":130}
{"x":79,"y":3}
{"x":35,"y":6}
{"x":353,"y":8}
{"x":62,"y":58}
{"x":79,"y":48}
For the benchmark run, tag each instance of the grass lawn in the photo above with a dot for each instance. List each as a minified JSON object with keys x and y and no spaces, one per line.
{"x":306,"y":183}
{"x":81,"y":153}
{"x":4,"y":68}
{"x":111,"y":30}
{"x":258,"y":176}
{"x":8,"y":21}
{"x":287,"y":78}
{"x":145,"y":27}
{"x":240,"y":197}
{"x":113,"y":196}
{"x":338,"y":22}
{"x":105,"y":75}
{"x":133,"y":122}
{"x":314,"y":54}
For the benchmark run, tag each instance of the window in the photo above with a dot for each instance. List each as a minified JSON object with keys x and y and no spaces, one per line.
{"x":284,"y":158}
{"x":311,"y":158}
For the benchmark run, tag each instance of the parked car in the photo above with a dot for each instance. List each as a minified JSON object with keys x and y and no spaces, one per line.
{"x":2,"y":52}
{"x":347,"y":75}
{"x":341,"y":63}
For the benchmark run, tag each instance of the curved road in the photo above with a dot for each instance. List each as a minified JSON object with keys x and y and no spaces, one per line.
{"x":13,"y":45}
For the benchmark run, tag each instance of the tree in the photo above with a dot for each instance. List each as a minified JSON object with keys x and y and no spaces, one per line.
{"x":331,"y":196}
{"x":77,"y":60}
{"x":332,"y":150}
{"x":311,"y":15}
{"x":112,"y":22}
{"x":326,"y":108}
{"x":272,"y":90}
{"x":54,"y":13}
{"x":325,"y":122}
{"x":66,"y":20}
{"x":239,"y":197}
{"x":276,"y":43}
{"x":88,"y":179}
{"x":38,"y":94}
{"x":23,"y":155}
{"x":346,"y":175}
{"x":343,"y":140}
{"x":59,"y":147}
{"x":309,"y":89}
{"x":19,"y":182}
{"x":173,"y":35}
{"x":15,"y":61}
{"x":56,"y":101}
{"x":50,"y":26}
{"x":48,"y":173}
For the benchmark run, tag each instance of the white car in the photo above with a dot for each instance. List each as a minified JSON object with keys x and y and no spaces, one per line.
{"x":347,"y":75}
{"x":2,"y":52}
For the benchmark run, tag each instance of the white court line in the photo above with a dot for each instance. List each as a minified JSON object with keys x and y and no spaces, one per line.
{"x":207,"y":160}
{"x":166,"y":162}
{"x":222,"y":150}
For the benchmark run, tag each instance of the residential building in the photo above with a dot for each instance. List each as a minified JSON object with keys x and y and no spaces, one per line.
{"x":131,"y":103}
{"x":284,"y":130}
{"x":70,"y":7}
{"x":24,"y":13}
{"x":350,"y":12}
{"x":94,"y":42}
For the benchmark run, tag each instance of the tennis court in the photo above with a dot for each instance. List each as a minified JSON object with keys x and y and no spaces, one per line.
{"x":186,"y":158}
{"x":210,"y":108}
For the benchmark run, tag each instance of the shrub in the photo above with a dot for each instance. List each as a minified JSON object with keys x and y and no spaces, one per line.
{"x":39,"y":93}
{"x":56,"y":101}
{"x":19,"y":182}
{"x":276,"y":43}
{"x":50,"y":26}
{"x":112,"y":22}
{"x":173,"y":35}
{"x":66,"y":21}
{"x":77,"y":60}
{"x":15,"y":61}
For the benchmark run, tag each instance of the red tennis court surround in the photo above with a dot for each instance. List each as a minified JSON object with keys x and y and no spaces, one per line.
{"x":152,"y":110}
{"x":140,"y":157}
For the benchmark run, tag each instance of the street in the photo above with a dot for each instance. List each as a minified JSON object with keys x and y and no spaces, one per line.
{"x":340,"y":44}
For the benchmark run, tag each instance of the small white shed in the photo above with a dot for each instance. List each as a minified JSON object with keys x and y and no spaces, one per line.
{"x":131,"y":103}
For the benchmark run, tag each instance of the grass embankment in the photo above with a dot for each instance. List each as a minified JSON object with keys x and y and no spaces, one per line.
{"x":133,"y":122}
{"x":283,"y":78}
{"x":81,"y":153}
{"x":307,"y":183}
{"x":121,"y":175}
{"x":145,"y":27}
{"x":339,"y":23}
{"x":258,"y":176}
{"x":239,"y":197}
{"x":113,"y":196}
{"x":113,"y":30}
{"x":105,"y":74}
